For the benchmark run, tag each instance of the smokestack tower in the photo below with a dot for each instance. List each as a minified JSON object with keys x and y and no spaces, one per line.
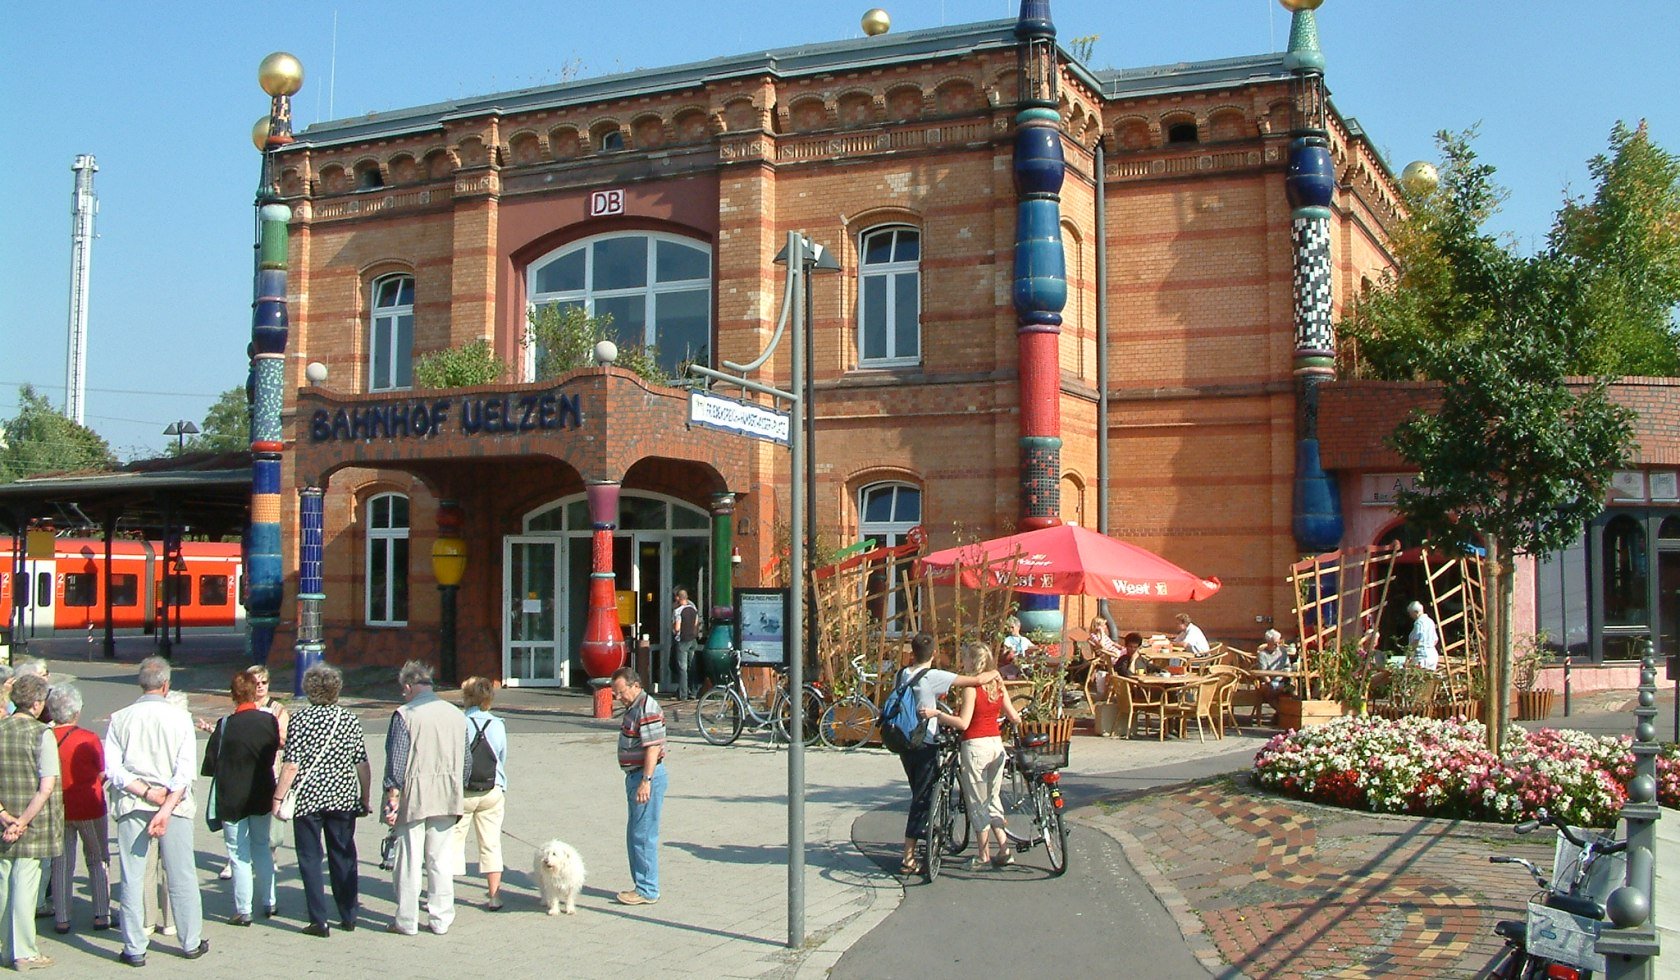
{"x":83,"y":206}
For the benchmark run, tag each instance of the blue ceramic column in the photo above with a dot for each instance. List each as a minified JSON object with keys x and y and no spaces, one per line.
{"x":1040,"y":287}
{"x":1311,"y":182}
{"x":311,"y":594}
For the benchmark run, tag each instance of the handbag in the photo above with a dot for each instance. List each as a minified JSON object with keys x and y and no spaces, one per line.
{"x":211,"y":752}
{"x":288,"y":802}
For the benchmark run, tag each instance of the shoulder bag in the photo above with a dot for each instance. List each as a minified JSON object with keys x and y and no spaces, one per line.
{"x":288,"y":802}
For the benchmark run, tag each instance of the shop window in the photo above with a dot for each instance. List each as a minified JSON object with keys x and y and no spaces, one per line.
{"x":890,"y":297}
{"x":387,"y":560}
{"x":657,"y":289}
{"x":125,"y":590}
{"x":1560,"y":598}
{"x":1626,"y":574}
{"x":212,"y":590}
{"x":81,"y":589}
{"x":887,"y":512}
{"x":391,"y":334}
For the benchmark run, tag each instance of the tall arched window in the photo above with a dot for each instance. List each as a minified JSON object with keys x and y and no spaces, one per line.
{"x":887,"y":512}
{"x":890,"y":297}
{"x":391,"y":334}
{"x":657,"y":289}
{"x":387,"y":560}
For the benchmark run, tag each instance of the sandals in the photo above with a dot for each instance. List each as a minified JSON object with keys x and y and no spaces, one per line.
{"x":910,"y":866}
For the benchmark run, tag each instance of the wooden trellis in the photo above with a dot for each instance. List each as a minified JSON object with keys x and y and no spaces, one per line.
{"x":1338,"y":594}
{"x":1457,"y":600}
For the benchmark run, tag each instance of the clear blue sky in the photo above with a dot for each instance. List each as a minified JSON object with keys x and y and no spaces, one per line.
{"x":164,"y":95}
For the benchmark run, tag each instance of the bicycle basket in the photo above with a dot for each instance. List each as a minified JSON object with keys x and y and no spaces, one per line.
{"x":1564,"y":938}
{"x":1041,"y":756}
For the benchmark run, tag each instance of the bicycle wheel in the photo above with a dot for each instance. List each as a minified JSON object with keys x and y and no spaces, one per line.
{"x":1017,"y":798}
{"x":718,"y":714}
{"x":848,"y":722}
{"x":815,"y":707}
{"x":1051,"y":828}
{"x":956,"y":814}
{"x":939,"y":814}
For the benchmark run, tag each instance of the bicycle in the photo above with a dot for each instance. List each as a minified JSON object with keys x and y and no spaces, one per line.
{"x":1032,"y":796}
{"x":1566,"y":916}
{"x":851,"y":721}
{"x":947,"y":810}
{"x":724,"y":710}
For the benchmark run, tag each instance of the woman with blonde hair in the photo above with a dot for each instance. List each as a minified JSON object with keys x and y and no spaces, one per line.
{"x":981,"y":752}
{"x":485,"y":787}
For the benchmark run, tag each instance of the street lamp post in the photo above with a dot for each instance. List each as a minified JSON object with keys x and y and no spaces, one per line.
{"x":180,"y":429}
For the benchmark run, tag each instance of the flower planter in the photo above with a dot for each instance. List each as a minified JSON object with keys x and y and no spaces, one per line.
{"x":1534,"y":705}
{"x":1060,"y":730}
{"x":1296,"y":713}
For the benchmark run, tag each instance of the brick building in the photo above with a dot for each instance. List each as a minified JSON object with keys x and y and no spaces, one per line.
{"x":663,"y":196}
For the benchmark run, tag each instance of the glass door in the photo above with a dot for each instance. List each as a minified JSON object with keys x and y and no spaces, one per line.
{"x":1668,"y":603}
{"x":534,"y":653}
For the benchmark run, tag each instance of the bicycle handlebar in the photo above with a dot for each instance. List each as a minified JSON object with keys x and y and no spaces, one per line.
{"x":1611,"y":847}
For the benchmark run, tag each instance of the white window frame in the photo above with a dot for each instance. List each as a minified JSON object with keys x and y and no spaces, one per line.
{"x":891,"y":532}
{"x":652,"y":289}
{"x":382,"y":539}
{"x":390,"y":316}
{"x":890,"y":271}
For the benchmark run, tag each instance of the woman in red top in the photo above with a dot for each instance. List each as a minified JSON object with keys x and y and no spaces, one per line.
{"x":81,"y":763}
{"x":981,"y":753}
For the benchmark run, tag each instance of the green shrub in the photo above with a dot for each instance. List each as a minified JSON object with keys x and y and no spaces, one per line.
{"x":470,"y":364}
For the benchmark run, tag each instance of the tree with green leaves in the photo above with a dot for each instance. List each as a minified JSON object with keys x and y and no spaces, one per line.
{"x":226,"y":427}
{"x":39,"y":439}
{"x":1513,"y":459}
{"x":565,"y":339}
{"x":1610,"y":271}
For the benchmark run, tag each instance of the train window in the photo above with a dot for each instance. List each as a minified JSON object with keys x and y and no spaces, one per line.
{"x":125,"y":590}
{"x":81,"y":589}
{"x":212,"y":590}
{"x":177,"y":589}
{"x":43,"y":590}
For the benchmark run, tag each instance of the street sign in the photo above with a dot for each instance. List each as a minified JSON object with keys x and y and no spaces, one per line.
{"x":741,"y":418}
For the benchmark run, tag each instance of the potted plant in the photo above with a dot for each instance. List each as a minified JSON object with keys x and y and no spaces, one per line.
{"x":1527,"y":658}
{"x":1344,"y":676}
{"x":1046,"y":680}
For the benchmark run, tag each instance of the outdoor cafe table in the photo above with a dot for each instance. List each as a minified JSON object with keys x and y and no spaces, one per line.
{"x":1289,"y":675}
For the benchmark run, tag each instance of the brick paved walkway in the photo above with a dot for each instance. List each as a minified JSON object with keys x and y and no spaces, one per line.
{"x":1270,"y":889}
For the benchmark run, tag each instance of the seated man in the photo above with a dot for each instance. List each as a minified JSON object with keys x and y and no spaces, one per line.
{"x":1014,"y":646}
{"x":1131,"y":662}
{"x":1190,"y":636}
{"x":1273,"y":654}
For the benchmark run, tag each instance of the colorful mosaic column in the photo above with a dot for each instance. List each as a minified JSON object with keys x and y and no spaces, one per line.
{"x":281,"y":76}
{"x":721,"y":639}
{"x":311,"y":594}
{"x":1040,"y":289}
{"x":1311,"y":183}
{"x":602,"y":649}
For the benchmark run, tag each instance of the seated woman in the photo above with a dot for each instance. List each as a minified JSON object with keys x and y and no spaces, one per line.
{"x":1103,"y":650}
{"x":1013,"y":647}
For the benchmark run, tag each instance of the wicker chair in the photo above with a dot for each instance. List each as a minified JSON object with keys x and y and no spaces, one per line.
{"x":1203,"y":706}
{"x":1234,"y":681}
{"x":1147,"y":701}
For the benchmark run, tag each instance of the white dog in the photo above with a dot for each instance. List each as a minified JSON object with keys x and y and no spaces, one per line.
{"x":559,"y":872}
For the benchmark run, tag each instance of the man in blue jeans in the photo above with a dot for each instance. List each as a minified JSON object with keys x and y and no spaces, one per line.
{"x":641,"y":754}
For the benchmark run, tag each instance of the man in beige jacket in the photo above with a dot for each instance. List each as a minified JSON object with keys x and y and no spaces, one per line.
{"x":425,"y":769}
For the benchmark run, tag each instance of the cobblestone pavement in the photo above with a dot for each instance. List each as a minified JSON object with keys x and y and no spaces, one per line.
{"x":1273,"y":889}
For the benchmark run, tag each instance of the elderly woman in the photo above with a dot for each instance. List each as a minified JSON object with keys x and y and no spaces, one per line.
{"x":326,"y":759}
{"x":487,"y":749}
{"x":31,"y":815}
{"x":81,"y":763}
{"x":240,"y":761}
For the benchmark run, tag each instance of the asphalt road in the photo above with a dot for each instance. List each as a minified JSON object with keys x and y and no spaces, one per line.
{"x":1099,"y":919}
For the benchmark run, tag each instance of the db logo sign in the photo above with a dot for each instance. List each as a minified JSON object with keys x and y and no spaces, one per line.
{"x":606,"y":202}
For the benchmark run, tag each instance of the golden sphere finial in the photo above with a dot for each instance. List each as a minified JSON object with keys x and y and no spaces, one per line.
{"x":1294,"y":6}
{"x":876,"y":22}
{"x":280,"y":74}
{"x":1420,"y":178}
{"x":259,"y":133}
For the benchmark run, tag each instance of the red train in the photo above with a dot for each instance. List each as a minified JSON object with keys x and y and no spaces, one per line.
{"x":67,"y":593}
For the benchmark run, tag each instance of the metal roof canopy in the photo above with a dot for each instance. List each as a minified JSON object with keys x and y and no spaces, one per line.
{"x":203,"y":492}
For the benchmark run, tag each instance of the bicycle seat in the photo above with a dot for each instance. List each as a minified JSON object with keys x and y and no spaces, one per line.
{"x":1513,"y":930}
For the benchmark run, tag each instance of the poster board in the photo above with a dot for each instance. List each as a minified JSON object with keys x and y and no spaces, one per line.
{"x":761,"y":625}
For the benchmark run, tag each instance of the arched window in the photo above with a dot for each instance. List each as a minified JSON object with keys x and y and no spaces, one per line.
{"x":387,"y":560}
{"x":1625,"y":573}
{"x":890,"y":297}
{"x":887,"y":512}
{"x":1179,"y":133}
{"x":657,"y":289}
{"x":391,"y":334}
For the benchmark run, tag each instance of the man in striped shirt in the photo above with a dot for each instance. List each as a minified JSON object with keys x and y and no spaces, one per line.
{"x":641,"y":754}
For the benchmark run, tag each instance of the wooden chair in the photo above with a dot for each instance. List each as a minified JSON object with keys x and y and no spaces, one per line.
{"x":1120,"y":695}
{"x":1147,"y":701}
{"x":1234,"y":681}
{"x":1202,"y":707}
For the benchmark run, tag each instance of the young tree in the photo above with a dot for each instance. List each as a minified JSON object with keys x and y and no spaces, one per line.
{"x":1513,"y":457}
{"x":38,"y":439}
{"x":565,"y":339}
{"x":226,"y":427}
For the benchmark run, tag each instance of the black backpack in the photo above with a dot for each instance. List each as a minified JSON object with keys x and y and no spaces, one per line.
{"x":482,"y":778}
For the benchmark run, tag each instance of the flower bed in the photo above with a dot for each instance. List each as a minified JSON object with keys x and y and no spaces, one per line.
{"x":1441,"y":767}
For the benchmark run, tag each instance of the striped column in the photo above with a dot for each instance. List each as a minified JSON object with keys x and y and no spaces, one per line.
{"x":311,"y":593}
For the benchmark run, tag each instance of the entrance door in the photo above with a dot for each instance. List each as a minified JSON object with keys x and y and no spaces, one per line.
{"x":534,"y":651}
{"x":1668,"y":603}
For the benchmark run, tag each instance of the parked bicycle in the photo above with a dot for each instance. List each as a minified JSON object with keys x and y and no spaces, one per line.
{"x":947,"y":811}
{"x":1565,"y":917}
{"x":852,"y":720}
{"x":1032,"y":798}
{"x":726,"y":709}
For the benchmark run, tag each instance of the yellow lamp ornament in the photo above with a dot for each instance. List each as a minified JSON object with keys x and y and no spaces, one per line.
{"x":259,"y":133}
{"x":1294,"y":5}
{"x":876,"y":22}
{"x":449,"y":560}
{"x":280,"y":74}
{"x":1420,"y":178}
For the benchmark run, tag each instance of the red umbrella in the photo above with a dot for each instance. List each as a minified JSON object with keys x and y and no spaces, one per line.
{"x":1070,"y":560}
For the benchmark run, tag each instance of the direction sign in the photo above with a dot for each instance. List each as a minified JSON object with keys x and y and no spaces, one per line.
{"x":741,"y":418}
